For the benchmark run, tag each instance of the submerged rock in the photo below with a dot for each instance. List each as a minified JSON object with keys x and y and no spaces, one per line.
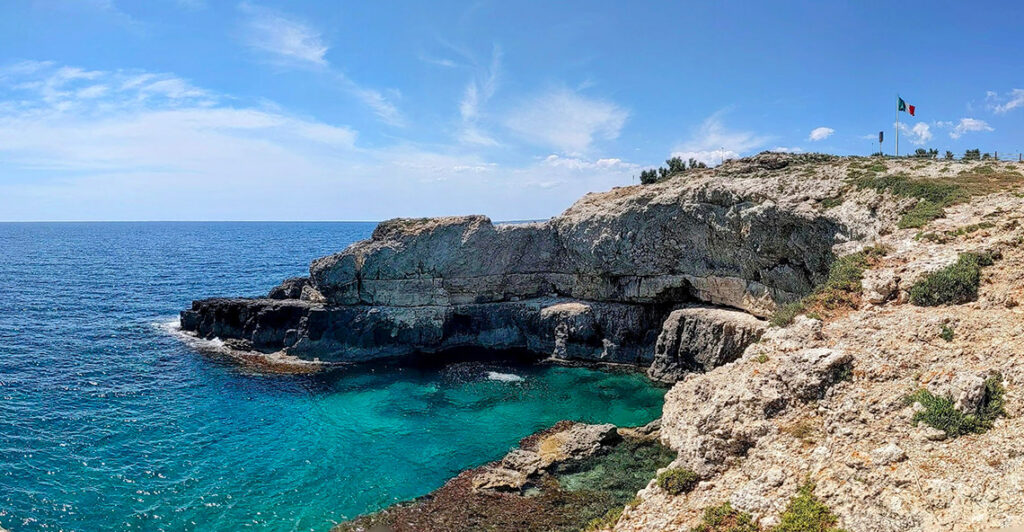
{"x":597,"y":472}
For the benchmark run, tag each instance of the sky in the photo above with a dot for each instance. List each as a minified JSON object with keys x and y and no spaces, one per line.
{"x":331,"y":110}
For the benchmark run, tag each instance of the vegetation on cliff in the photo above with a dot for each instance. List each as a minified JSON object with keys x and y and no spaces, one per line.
{"x":954,"y":284}
{"x":941,"y":413}
{"x":841,"y":290}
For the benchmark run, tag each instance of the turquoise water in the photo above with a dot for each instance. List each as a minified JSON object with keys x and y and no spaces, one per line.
{"x":110,"y":422}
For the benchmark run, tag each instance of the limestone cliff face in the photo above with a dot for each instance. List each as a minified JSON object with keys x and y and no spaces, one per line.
{"x":725,"y":241}
{"x":595,"y":283}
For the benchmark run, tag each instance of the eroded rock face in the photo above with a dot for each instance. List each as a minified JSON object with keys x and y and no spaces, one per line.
{"x":600,"y":332}
{"x":705,"y":241}
{"x":699,"y":338}
{"x":713,"y":418}
{"x":595,"y":283}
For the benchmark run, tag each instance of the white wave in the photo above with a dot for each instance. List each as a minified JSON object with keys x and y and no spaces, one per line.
{"x":172,"y":326}
{"x":276,"y":362}
{"x":503,"y":377}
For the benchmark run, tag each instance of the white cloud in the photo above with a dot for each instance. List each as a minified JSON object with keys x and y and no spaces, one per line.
{"x":564,"y":120}
{"x":283,"y":38}
{"x":821,"y":133}
{"x":919,"y":134}
{"x":786,"y":149}
{"x":140,"y":150}
{"x":114,"y":121}
{"x":1005,"y":104}
{"x":712,"y":143}
{"x":478,"y":91}
{"x":967,"y":125}
{"x":287,"y":41}
{"x":577,"y":163}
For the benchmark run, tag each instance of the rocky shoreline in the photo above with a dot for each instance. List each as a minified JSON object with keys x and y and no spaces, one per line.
{"x":821,"y":408}
{"x":603,"y":282}
{"x":558,"y":479}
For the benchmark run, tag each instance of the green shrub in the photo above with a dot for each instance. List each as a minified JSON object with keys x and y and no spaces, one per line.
{"x":806,"y":513}
{"x":946,"y":333}
{"x":920,"y":214}
{"x":878,"y":167}
{"x":955,"y":284}
{"x":972,"y":155}
{"x":940,"y":413}
{"x":828,"y":203}
{"x":677,"y":480}
{"x":785,"y":314}
{"x":841,"y":288}
{"x":607,"y":520}
{"x":725,"y":518}
{"x":935,"y":190}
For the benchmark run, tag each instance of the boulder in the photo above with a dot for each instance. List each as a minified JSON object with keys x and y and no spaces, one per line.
{"x":577,"y":442}
{"x":289,"y":288}
{"x":700,"y":338}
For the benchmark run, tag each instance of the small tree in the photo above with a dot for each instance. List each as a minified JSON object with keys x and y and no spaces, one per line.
{"x":949,"y":155}
{"x":972,"y":155}
{"x":649,"y":176}
{"x":933,"y":153}
{"x":920,"y":152}
{"x":986,"y":157}
{"x":676,"y":165}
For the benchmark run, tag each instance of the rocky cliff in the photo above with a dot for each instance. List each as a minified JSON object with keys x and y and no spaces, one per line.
{"x":885,"y":395}
{"x":595,"y":283}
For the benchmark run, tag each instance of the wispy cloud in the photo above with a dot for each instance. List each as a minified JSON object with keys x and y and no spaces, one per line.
{"x":89,"y":144}
{"x":288,"y":41}
{"x":713,"y":143}
{"x":967,"y":125}
{"x":566,"y":121}
{"x":282,"y":38}
{"x":118,"y":121}
{"x":438,"y":61}
{"x":478,"y":91}
{"x":820,"y":133}
{"x":1003,"y":104}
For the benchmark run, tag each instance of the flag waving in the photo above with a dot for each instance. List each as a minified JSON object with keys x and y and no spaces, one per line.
{"x":904,"y":107}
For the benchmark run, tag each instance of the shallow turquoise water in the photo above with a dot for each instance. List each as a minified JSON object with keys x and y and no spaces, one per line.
{"x":111,"y":423}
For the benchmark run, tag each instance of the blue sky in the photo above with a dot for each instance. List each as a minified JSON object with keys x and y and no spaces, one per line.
{"x":204,"y":110}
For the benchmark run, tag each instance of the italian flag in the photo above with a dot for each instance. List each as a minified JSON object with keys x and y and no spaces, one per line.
{"x":904,"y":107}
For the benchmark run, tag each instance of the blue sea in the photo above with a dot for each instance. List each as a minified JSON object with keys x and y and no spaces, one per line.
{"x":110,"y":421}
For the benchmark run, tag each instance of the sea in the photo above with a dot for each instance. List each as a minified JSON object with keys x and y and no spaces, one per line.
{"x":112,"y":419}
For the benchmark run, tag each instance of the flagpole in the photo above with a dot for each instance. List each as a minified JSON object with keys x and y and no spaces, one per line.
{"x":897,"y":125}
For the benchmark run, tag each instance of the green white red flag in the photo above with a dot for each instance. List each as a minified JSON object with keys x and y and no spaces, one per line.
{"x":906,"y":108}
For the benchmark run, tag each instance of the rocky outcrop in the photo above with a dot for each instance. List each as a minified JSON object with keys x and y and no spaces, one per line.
{"x":595,"y":283}
{"x":565,"y":329}
{"x":289,"y":288}
{"x":699,"y":338}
